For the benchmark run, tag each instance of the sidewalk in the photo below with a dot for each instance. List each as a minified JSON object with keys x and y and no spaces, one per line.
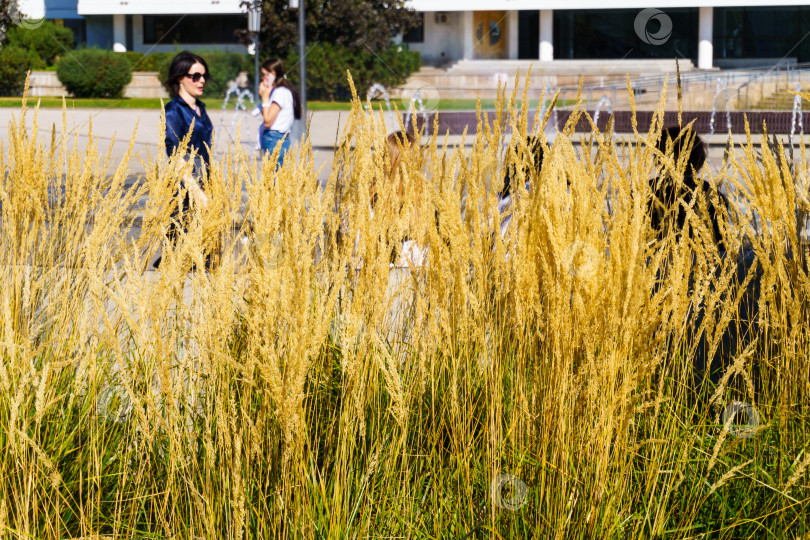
{"x":116,"y":127}
{"x":113,"y":128}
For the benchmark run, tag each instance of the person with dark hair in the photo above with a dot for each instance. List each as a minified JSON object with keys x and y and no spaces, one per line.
{"x":667,"y":210}
{"x":185,"y":113}
{"x":536,"y":153}
{"x":280,"y":107}
{"x":671,"y":198}
{"x":188,"y":74}
{"x":510,"y":180}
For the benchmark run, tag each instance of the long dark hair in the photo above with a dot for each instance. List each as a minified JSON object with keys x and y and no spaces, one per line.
{"x":679,"y":138}
{"x":179,"y":68}
{"x":276,"y":66}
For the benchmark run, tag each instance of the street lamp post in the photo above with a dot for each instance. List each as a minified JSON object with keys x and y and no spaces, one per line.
{"x":302,"y":65}
{"x":254,"y":26}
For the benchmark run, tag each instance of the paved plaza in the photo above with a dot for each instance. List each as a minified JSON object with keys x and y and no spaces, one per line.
{"x":116,"y":127}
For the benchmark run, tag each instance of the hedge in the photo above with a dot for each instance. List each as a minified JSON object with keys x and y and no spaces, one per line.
{"x":327,"y":65}
{"x":94,"y":73}
{"x":148,"y":62}
{"x":14,"y":64}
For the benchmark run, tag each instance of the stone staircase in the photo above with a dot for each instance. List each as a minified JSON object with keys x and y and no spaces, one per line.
{"x":469,"y":79}
{"x":780,"y":100}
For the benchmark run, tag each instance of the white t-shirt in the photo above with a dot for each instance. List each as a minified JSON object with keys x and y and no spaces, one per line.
{"x":286,"y":116}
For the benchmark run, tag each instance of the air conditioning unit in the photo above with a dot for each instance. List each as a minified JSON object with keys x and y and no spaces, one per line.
{"x":440,"y":18}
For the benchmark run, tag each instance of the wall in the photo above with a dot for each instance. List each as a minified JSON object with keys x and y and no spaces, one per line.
{"x":144,"y":84}
{"x":486,"y":5}
{"x":61,"y":9}
{"x":445,"y":37}
{"x":158,"y":7}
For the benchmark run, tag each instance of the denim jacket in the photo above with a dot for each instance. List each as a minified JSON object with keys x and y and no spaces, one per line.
{"x":178,"y":121}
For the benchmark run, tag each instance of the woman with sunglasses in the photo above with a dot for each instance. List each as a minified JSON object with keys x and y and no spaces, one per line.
{"x":188,"y":73}
{"x":281,"y":106}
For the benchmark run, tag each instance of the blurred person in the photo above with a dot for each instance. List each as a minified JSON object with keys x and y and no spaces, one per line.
{"x":280,"y":107}
{"x":667,"y":211}
{"x":671,"y":198}
{"x":387,"y":197}
{"x":510,"y":181}
{"x":400,"y":143}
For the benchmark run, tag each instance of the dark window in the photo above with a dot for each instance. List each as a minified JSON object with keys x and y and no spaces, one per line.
{"x":79,"y":27}
{"x":529,"y":34}
{"x":772,"y":33}
{"x":169,"y":29}
{"x":417,"y":33}
{"x":586,"y":34}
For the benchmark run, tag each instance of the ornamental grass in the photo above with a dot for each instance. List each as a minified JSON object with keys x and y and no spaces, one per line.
{"x":578,"y":376}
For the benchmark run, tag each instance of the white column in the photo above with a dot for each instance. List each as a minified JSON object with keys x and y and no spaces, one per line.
{"x":546,"y":35}
{"x":706,"y":41}
{"x":32,"y":9}
{"x":119,"y":33}
{"x":137,"y":33}
{"x":512,"y":34}
{"x":467,"y":35}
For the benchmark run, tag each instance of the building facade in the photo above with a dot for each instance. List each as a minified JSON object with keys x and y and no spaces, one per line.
{"x":146,"y":25}
{"x":711,"y":33}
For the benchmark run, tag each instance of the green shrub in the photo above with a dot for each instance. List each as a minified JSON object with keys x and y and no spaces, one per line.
{"x":224,"y":67}
{"x":327,"y":64}
{"x":149,"y":62}
{"x":48,"y":40}
{"x":14,"y":64}
{"x":94,"y":73}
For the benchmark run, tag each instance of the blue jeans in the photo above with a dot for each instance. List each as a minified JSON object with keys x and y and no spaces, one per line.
{"x":271,"y":138}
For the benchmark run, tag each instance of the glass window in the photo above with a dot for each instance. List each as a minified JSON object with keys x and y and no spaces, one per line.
{"x":417,"y":33}
{"x":771,"y":33}
{"x":169,"y":29}
{"x":494,"y":33}
{"x":585,"y":34}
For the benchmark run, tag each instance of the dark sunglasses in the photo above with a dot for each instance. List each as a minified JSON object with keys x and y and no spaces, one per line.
{"x":195,"y":76}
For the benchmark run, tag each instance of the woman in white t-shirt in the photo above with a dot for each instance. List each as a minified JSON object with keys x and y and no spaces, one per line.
{"x":280,"y":108}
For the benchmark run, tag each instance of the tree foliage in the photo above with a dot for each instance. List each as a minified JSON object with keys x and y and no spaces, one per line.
{"x":8,"y":8}
{"x":48,"y":40}
{"x":327,"y":65}
{"x":14,"y":65}
{"x":354,"y":35}
{"x":353,"y":24}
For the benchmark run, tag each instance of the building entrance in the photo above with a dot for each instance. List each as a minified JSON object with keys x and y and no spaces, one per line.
{"x":490,"y":37}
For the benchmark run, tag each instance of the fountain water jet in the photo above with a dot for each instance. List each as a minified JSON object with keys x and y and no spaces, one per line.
{"x":603,"y":102}
{"x":240,"y":89}
{"x":418,"y":106}
{"x":548,"y":95}
{"x":722,"y":88}
{"x":797,"y":115}
{"x":377,"y":90}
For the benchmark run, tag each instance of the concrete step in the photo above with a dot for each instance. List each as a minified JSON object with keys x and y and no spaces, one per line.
{"x":560,"y":67}
{"x":474,"y":78}
{"x":781,"y":100}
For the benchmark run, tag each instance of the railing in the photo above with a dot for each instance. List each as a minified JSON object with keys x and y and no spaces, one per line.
{"x":779,"y":74}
